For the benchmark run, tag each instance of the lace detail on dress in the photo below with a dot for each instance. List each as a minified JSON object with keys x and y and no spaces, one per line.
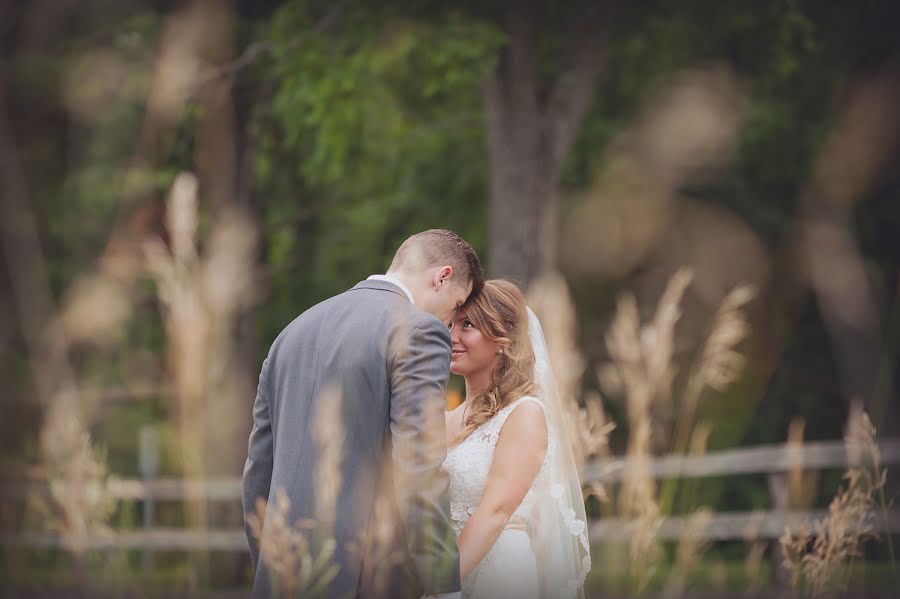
{"x":468,"y":464}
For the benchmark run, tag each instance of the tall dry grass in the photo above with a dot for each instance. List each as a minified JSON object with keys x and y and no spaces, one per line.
{"x":380,"y":544}
{"x":286,"y":551}
{"x":691,"y":547}
{"x":300,"y":554}
{"x":76,"y":505}
{"x":329,"y":437}
{"x":643,"y":369}
{"x":592,"y":428}
{"x":586,"y":422}
{"x":819,"y":556}
{"x":201,"y":294}
{"x":802,"y":483}
{"x":755,"y":552}
{"x":719,"y":363}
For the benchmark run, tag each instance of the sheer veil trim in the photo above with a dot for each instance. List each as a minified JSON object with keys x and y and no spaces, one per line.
{"x":559,"y":524}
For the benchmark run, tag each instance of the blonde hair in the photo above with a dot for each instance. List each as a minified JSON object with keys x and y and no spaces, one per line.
{"x":499,"y":312}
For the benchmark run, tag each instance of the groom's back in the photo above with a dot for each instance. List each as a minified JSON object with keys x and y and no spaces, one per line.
{"x":334,"y":352}
{"x":327,"y":386}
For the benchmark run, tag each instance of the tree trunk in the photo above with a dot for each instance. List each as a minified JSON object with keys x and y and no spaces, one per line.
{"x":530,"y":134}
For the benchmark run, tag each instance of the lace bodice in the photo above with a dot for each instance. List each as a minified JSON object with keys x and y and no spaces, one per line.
{"x":468,"y":464}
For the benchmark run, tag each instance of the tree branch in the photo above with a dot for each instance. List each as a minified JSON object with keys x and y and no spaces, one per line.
{"x":257,"y":49}
{"x":573,"y":91}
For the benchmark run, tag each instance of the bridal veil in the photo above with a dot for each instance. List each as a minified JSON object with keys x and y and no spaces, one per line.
{"x":559,"y":534}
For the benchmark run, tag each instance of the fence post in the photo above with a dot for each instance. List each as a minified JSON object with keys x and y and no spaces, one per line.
{"x":780,"y":497}
{"x":148,"y":463}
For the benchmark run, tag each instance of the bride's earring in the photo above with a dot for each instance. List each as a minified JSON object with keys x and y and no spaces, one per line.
{"x":500,"y":351}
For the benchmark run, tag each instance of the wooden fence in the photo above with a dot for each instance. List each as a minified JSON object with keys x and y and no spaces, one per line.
{"x":774,"y":461}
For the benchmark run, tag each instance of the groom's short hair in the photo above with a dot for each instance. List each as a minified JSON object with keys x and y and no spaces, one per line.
{"x":440,"y":246}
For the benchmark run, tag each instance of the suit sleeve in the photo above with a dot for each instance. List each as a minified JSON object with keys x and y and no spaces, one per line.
{"x":419,"y":376}
{"x":258,"y":468}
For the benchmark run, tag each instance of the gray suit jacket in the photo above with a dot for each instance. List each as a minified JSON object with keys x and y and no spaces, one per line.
{"x":387,"y":363}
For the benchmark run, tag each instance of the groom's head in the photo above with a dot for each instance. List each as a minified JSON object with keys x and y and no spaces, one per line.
{"x":440,"y":269}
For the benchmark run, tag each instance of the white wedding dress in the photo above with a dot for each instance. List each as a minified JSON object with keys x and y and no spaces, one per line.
{"x":509,"y":568}
{"x":543,"y":552}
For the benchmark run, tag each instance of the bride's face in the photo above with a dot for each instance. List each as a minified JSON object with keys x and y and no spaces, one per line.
{"x":473,"y":353}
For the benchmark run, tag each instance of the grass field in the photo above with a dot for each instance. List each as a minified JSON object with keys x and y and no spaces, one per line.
{"x":172,"y":573}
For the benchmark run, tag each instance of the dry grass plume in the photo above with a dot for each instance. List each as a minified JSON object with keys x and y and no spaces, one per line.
{"x":201,"y":294}
{"x":818,"y":557}
{"x":77,"y":505}
{"x":285,"y":550}
{"x":585,"y":419}
{"x":643,"y":369}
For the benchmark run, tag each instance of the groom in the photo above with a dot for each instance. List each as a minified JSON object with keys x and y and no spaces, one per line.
{"x":378,"y":356}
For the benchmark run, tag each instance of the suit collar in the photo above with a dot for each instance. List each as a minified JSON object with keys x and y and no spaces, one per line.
{"x":394,"y":280}
{"x":381,"y":285}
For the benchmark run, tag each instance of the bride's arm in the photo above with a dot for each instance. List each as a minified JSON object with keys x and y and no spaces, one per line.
{"x":517,"y":460}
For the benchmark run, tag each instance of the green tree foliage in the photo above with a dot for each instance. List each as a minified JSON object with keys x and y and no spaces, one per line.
{"x":380,"y":116}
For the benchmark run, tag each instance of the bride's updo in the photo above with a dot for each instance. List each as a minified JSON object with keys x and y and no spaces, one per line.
{"x":498,"y":311}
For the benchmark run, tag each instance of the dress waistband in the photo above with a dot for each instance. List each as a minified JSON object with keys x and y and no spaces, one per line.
{"x":516,"y":524}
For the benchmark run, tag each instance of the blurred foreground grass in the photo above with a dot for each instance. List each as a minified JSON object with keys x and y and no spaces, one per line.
{"x":172,"y":573}
{"x":728,"y":575}
{"x":123,"y":570}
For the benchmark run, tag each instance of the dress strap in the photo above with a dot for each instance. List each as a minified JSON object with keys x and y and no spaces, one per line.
{"x":503,"y":414}
{"x":515,"y":404}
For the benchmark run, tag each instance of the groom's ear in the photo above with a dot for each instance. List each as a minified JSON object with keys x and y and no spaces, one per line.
{"x":442,"y":275}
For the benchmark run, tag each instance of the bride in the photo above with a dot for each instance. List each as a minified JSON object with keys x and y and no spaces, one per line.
{"x":515,"y":499}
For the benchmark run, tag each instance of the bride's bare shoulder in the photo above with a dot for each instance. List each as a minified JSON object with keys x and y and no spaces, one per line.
{"x":454,"y":412}
{"x":452,"y":421}
{"x":527,"y":418}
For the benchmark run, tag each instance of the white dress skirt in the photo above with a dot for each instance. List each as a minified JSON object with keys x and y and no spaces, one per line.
{"x":509,"y":568}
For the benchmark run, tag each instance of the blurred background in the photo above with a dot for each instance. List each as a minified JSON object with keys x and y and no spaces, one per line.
{"x":702,"y":199}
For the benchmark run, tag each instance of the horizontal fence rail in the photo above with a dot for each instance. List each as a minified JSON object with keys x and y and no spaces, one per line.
{"x":733,"y":526}
{"x":157,"y":539}
{"x":764,"y":459}
{"x":132,"y":489}
{"x":773,"y":460}
{"x":736,"y":526}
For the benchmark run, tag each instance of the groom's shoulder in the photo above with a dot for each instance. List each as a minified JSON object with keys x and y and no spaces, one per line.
{"x":312,"y":315}
{"x":370,"y":309}
{"x":391,"y":305}
{"x":396,"y":315}
{"x":426,"y":320}
{"x":420,"y":326}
